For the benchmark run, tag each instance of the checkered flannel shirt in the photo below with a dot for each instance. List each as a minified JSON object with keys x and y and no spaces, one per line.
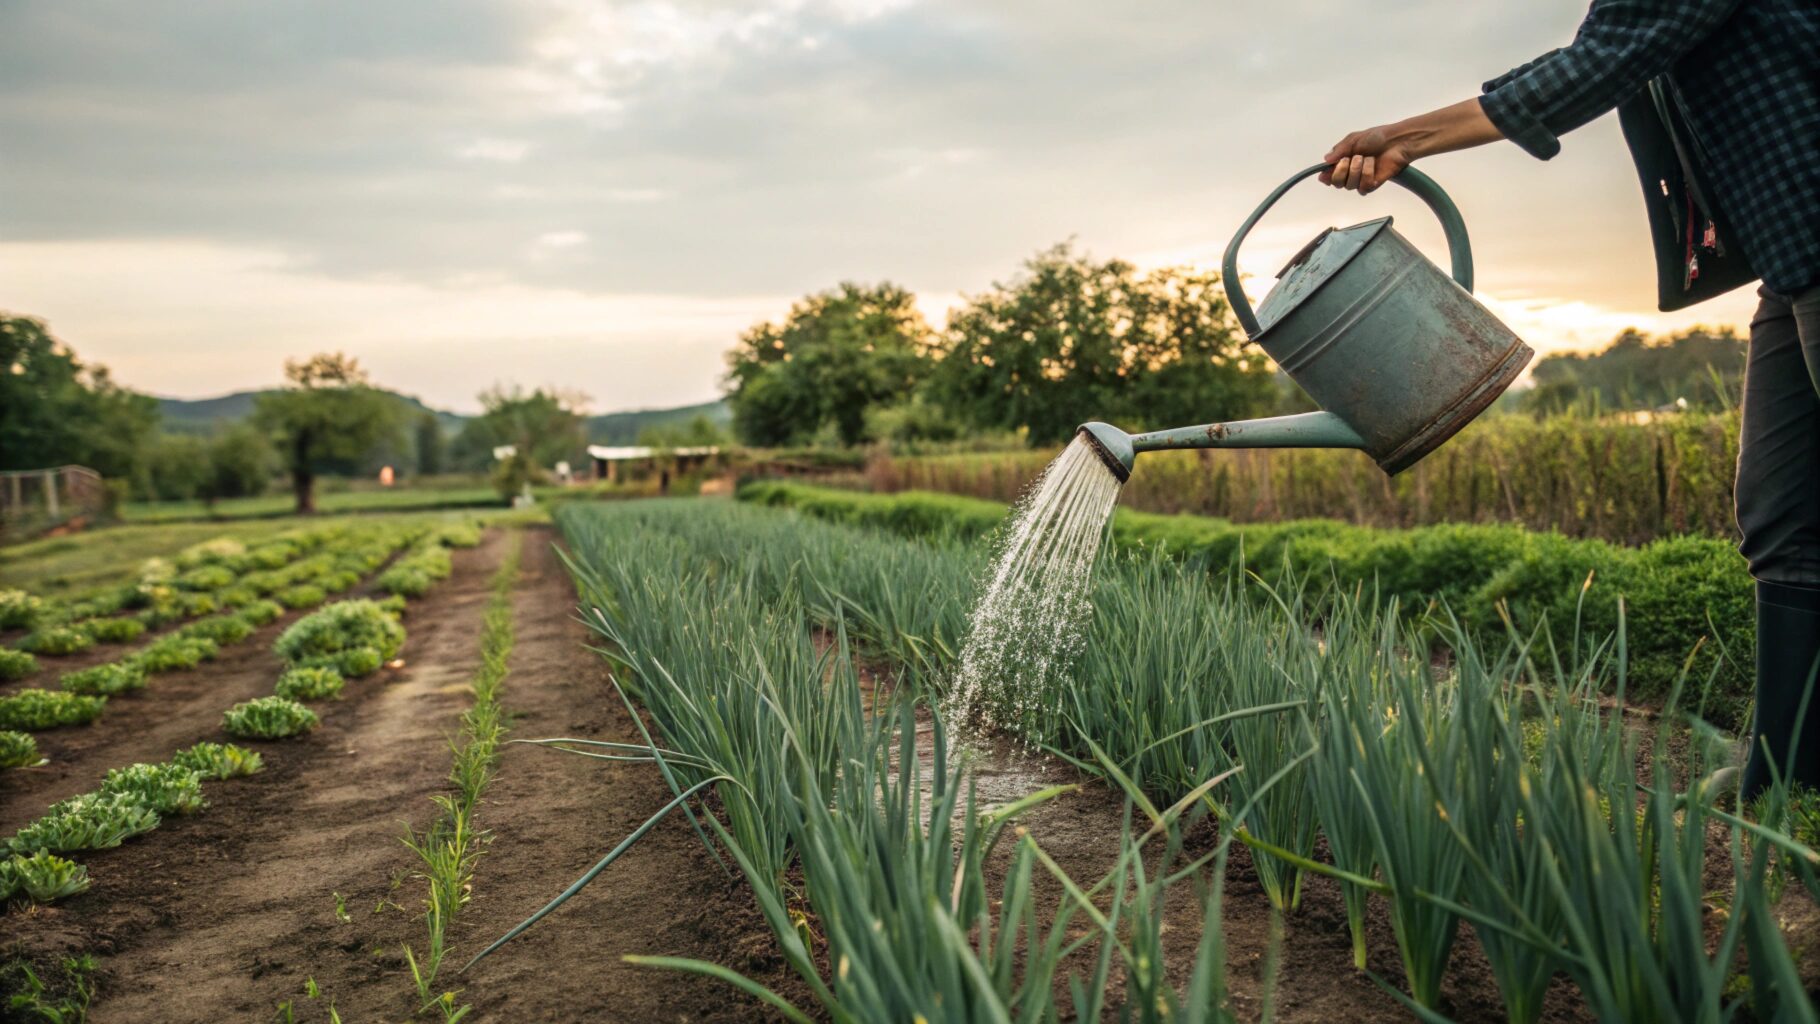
{"x":1747,"y":75}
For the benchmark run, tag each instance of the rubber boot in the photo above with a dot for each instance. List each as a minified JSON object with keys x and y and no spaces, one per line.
{"x":1788,"y":646}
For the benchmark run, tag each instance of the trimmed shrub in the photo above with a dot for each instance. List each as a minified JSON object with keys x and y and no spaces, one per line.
{"x":57,"y":640}
{"x":35,"y":710}
{"x":16,"y":664}
{"x":219,"y":760}
{"x":269,"y":718}
{"x":18,"y":609}
{"x":106,"y":680}
{"x":309,"y":684}
{"x":17,"y":749}
{"x":113,"y":631}
{"x":165,"y":788}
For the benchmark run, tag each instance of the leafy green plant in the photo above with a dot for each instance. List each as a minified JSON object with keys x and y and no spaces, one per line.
{"x":19,"y":609}
{"x":17,"y":749}
{"x":303,"y":595}
{"x":175,"y":653}
{"x":194,"y":604}
{"x":219,"y":760}
{"x":32,"y":710}
{"x":165,"y":788}
{"x":354,"y":637}
{"x":269,"y":718}
{"x":309,"y":684}
{"x":46,"y":878}
{"x":221,"y":630}
{"x":91,"y":821}
{"x":107,"y":680}
{"x":57,"y":640}
{"x":261,"y":612}
{"x":113,"y":630}
{"x":16,"y":664}
{"x":207,"y":577}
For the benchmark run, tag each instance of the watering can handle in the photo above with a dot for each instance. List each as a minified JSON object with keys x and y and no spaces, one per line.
{"x":1421,"y":184}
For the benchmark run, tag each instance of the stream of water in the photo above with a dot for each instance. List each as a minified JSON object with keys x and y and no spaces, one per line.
{"x":1031,"y":617}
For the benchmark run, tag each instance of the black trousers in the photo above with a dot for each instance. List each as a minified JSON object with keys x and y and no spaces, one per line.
{"x":1778,"y":498}
{"x":1778,"y":492}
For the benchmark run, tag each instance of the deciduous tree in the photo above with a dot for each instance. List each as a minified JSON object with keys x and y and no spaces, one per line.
{"x":328,"y":411}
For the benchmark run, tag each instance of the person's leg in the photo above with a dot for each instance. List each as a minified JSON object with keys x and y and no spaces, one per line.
{"x":1778,"y":502}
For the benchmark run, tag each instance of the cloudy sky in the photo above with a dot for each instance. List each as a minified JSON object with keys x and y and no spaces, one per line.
{"x":600,"y":195}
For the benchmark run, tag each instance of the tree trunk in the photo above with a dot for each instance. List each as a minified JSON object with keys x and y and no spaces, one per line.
{"x":303,"y":485}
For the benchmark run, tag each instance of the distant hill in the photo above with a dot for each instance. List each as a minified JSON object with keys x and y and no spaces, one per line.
{"x":202,"y":415}
{"x":624,"y":427}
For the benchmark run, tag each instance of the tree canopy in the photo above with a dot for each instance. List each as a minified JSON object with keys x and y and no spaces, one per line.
{"x":837,"y":354}
{"x":55,"y":410}
{"x":541,"y":426}
{"x":328,"y":412}
{"x":1075,"y":339}
{"x":1702,"y":365}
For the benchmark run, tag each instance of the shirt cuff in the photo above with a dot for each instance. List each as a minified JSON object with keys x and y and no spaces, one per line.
{"x":1506,"y":110}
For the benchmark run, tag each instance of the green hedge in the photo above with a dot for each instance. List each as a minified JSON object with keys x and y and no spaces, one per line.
{"x":1676,"y":591}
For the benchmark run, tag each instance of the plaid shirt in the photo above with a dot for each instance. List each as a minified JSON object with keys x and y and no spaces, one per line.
{"x":1746,"y":74}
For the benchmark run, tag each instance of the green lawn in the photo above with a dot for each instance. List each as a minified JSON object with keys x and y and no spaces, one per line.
{"x":274,"y":505}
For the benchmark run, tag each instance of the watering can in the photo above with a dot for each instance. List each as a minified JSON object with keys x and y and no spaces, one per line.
{"x":1397,"y":354}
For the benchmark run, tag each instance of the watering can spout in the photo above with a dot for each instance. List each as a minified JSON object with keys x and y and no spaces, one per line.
{"x":1306,"y":430}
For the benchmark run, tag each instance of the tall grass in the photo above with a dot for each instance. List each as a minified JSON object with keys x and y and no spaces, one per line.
{"x":1611,"y":478}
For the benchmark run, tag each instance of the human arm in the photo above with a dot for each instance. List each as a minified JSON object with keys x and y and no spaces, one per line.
{"x":1619,"y":46}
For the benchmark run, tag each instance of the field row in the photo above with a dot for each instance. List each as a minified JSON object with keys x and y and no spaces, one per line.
{"x":1493,"y":792}
{"x":1684,"y":596}
{"x":319,"y":652}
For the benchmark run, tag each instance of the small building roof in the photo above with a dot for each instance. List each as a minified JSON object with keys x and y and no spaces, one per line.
{"x":610,"y":453}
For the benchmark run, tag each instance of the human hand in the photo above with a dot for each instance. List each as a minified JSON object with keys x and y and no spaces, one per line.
{"x":1364,"y":160}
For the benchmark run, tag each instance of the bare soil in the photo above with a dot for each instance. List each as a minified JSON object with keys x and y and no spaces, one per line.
{"x":226,"y":914}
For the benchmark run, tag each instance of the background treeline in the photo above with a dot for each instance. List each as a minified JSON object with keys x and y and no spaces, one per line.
{"x":329,"y":420}
{"x":1071,"y":338}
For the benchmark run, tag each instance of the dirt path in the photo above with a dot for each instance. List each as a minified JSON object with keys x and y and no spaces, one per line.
{"x":224,"y":915}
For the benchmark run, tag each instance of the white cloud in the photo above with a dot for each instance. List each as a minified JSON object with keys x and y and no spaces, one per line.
{"x":504,"y":151}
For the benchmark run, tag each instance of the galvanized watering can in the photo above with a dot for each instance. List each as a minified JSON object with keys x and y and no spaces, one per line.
{"x":1398,"y":354}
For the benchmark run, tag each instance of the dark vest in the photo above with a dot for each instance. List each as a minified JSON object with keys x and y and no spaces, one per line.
{"x":1696,"y":257}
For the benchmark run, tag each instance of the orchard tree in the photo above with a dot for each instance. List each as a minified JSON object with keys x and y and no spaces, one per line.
{"x":1075,"y":339}
{"x":327,"y":412}
{"x":833,"y":358}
